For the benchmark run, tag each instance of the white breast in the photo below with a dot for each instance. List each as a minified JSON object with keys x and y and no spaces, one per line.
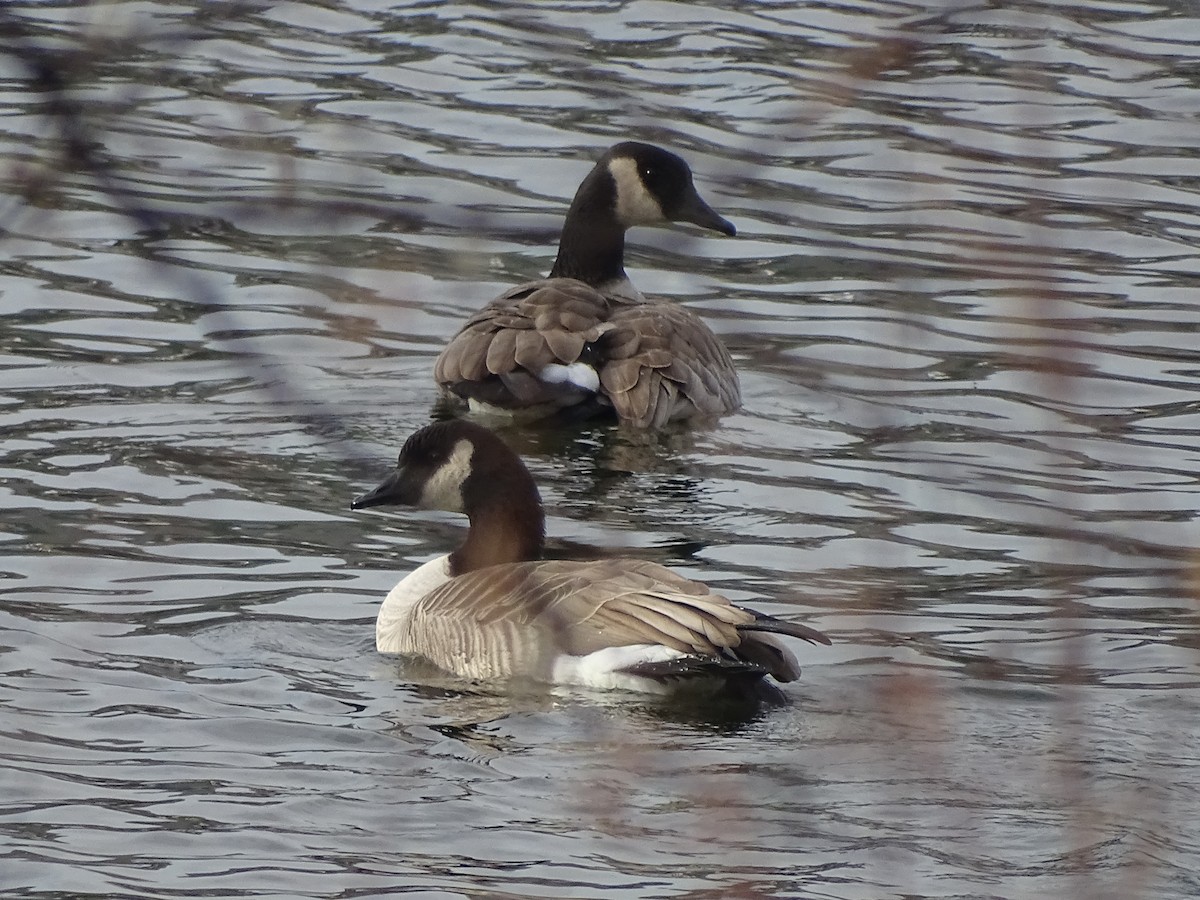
{"x":397,"y":606}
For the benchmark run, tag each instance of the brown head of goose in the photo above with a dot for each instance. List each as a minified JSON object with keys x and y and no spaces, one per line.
{"x":585,"y":339}
{"x":493,"y":609}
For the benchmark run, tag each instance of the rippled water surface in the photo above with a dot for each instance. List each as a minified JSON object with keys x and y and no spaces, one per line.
{"x":963,"y":300}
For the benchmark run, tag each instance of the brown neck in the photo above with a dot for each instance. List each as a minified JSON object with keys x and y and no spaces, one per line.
{"x":509,"y":526}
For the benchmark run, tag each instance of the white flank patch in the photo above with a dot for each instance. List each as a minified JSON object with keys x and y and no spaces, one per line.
{"x":579,"y":374}
{"x":505,"y":415}
{"x":601,"y":669}
{"x":392,"y":621}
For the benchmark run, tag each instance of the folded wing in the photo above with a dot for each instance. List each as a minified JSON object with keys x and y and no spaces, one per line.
{"x":516,"y":619}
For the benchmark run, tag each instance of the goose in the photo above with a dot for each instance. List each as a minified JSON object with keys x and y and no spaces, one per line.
{"x":585,"y":339}
{"x":494,"y":609}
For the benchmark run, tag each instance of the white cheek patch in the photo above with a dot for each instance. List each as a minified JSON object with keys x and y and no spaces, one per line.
{"x":444,"y":488}
{"x":635,"y":204}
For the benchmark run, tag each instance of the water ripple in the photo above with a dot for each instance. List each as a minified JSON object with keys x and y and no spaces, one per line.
{"x":962,"y":303}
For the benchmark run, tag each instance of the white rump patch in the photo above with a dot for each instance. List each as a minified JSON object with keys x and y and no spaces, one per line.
{"x":635,"y":204}
{"x":579,"y":374}
{"x":602,"y":668}
{"x":392,"y":622}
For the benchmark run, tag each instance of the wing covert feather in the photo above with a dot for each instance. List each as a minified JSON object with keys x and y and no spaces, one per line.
{"x":675,"y":363}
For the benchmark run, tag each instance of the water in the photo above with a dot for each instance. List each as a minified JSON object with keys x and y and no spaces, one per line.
{"x":962,"y":303}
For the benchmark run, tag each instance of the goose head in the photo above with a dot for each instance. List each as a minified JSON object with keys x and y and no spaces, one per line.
{"x":459,"y":466}
{"x":631,"y":184}
{"x":652,"y":186}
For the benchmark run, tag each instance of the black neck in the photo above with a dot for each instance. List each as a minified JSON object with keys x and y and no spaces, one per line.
{"x":592,"y":246}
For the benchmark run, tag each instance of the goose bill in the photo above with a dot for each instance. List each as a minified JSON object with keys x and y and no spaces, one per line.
{"x":395,"y":489}
{"x":696,"y":211}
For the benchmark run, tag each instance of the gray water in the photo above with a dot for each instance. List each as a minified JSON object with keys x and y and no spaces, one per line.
{"x":963,"y":300}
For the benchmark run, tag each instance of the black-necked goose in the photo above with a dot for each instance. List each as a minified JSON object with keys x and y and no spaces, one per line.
{"x":493,"y":609}
{"x":585,"y":338}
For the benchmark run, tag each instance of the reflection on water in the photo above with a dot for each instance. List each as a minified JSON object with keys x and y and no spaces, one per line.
{"x":961,"y":300}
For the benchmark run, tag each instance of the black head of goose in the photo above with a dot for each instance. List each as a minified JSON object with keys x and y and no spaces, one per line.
{"x":494,"y":609}
{"x":585,"y":339}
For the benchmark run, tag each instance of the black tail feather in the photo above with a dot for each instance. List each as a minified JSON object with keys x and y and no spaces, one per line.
{"x":688,"y":667}
{"x":737,"y":680}
{"x":763,"y":622}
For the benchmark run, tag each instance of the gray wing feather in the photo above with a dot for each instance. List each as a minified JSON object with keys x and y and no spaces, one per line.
{"x":679,"y":361}
{"x":502,"y":351}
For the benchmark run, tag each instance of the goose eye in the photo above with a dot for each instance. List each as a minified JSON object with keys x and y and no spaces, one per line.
{"x":647,"y":172}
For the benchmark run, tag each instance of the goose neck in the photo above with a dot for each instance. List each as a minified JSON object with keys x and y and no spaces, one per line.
{"x":505,"y":527}
{"x":592,"y":246}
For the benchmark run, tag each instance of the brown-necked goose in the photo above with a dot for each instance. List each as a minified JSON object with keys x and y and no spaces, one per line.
{"x":493,"y":609}
{"x":585,"y":338}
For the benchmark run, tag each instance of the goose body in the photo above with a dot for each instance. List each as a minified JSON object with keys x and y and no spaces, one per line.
{"x":493,"y":609}
{"x":585,"y":339}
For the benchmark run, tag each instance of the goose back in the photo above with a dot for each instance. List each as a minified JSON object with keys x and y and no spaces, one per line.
{"x":649,"y":362}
